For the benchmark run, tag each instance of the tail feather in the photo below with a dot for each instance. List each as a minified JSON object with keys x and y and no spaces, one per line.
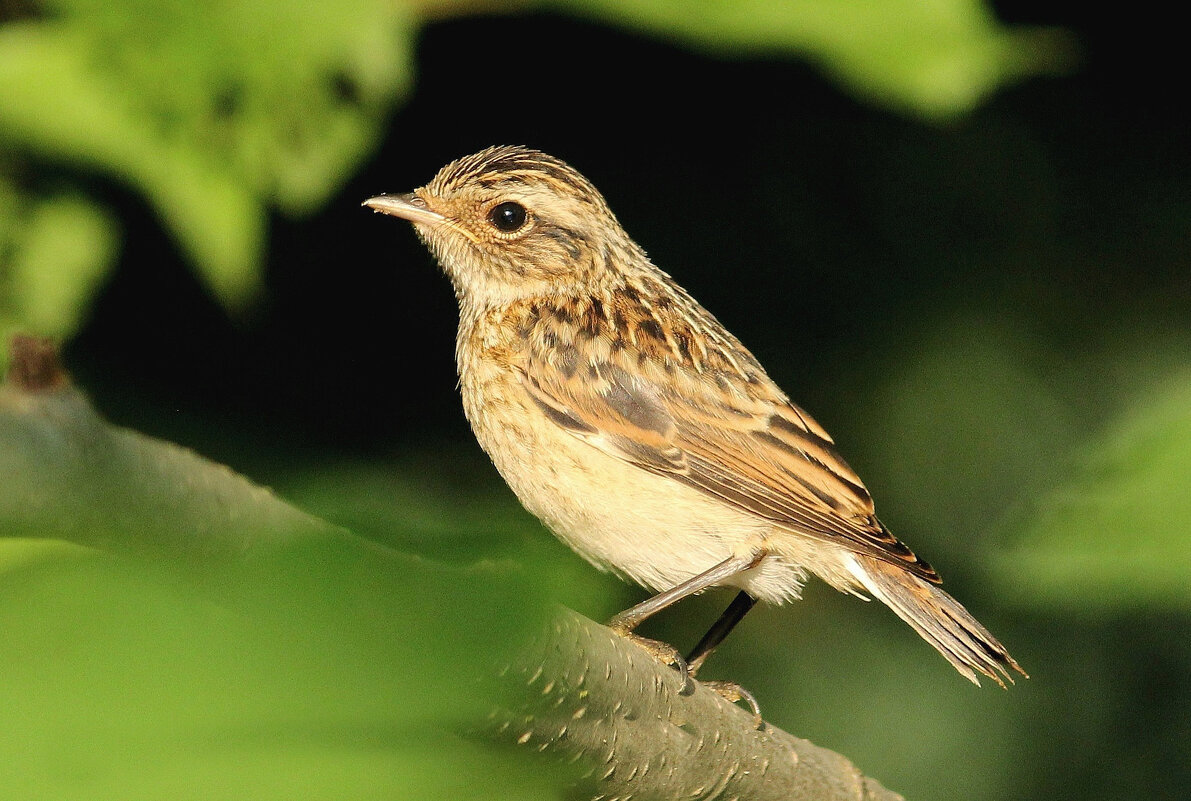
{"x":938,"y":618}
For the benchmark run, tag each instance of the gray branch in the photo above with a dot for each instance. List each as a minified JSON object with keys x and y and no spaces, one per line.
{"x":600,"y":700}
{"x":577,"y":692}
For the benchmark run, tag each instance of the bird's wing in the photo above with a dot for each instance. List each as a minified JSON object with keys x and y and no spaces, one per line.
{"x":762,"y":455}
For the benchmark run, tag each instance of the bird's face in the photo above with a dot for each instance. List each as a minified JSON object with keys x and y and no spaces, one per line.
{"x":509,"y":223}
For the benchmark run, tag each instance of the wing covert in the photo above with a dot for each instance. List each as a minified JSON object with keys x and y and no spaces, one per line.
{"x":762,"y":455}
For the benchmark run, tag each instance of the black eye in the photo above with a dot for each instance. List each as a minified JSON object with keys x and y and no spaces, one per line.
{"x":507,"y":216}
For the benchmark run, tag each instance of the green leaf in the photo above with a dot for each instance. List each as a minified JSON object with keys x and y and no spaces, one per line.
{"x":937,"y":59}
{"x":1116,"y":536}
{"x":315,"y":672}
{"x":212,"y":111}
{"x":57,"y":251}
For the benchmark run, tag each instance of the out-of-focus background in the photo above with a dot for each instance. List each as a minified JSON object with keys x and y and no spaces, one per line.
{"x":958,"y":233}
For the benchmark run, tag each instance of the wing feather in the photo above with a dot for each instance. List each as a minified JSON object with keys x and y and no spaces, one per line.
{"x":764,"y":456}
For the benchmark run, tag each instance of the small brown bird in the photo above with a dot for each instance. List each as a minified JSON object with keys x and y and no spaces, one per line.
{"x":637,"y":428}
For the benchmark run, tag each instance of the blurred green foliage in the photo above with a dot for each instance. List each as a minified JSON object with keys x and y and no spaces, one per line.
{"x":241,"y":648}
{"x":1115,"y":535}
{"x":214,"y":113}
{"x":217,"y":114}
{"x":59,"y":248}
{"x":394,"y":503}
{"x":313,"y":672}
{"x":937,"y":59}
{"x":968,"y":424}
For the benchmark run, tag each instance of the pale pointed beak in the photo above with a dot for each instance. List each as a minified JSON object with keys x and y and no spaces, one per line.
{"x":407,"y":207}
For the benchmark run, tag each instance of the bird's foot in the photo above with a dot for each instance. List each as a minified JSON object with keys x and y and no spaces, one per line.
{"x":668,"y":655}
{"x":733,"y":693}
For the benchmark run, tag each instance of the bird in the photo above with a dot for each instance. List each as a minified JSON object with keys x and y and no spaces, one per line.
{"x":639,"y":430}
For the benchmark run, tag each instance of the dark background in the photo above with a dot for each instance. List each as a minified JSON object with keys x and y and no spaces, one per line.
{"x":815,"y":227}
{"x":1046,"y":234}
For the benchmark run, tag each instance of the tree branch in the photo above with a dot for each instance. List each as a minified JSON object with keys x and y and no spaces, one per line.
{"x":597,"y":698}
{"x":577,"y":691}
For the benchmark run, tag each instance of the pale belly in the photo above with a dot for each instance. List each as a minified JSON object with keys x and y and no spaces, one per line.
{"x":651,"y":529}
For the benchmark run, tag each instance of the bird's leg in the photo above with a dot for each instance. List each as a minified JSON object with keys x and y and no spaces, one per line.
{"x":624,"y":623}
{"x":730,"y":690}
{"x":634,"y":616}
{"x":735,"y":612}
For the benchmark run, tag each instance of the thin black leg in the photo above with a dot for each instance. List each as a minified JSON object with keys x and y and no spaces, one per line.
{"x":735,"y":612}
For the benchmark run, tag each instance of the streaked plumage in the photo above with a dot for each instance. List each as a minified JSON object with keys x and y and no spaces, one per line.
{"x":628,"y":419}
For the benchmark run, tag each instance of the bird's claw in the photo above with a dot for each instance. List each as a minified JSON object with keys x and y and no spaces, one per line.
{"x":668,"y":655}
{"x":733,"y":692}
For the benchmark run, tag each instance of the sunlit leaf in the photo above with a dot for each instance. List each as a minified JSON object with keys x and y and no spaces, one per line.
{"x":54,"y":253}
{"x":59,"y":250}
{"x":213,"y":112}
{"x":936,"y":59}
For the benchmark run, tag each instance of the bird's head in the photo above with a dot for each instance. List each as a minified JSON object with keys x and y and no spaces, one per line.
{"x":510,"y":222}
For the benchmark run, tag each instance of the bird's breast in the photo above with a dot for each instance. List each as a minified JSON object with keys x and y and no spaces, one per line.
{"x":644,"y":527}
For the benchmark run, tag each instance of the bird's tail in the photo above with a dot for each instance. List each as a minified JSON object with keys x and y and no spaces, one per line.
{"x":938,"y":617}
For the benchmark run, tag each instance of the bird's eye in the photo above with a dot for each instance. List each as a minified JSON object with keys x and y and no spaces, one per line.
{"x":507,"y":216}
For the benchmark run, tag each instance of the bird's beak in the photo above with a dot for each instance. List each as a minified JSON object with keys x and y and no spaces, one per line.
{"x":407,"y":207}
